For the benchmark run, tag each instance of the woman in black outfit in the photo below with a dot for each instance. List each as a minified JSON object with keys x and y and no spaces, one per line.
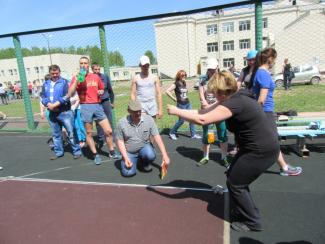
{"x":258,"y":144}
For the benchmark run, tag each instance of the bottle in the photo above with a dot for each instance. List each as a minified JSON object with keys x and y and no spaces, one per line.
{"x":211,"y":138}
{"x":82,"y":75}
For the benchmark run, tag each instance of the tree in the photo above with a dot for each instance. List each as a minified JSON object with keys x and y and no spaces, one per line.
{"x":115,"y":59}
{"x":151,"y":56}
{"x":96,"y":55}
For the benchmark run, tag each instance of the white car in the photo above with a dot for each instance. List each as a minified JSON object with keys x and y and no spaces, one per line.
{"x":303,"y":74}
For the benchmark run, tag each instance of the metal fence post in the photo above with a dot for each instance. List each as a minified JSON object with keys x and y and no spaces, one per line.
{"x":103,"y":46}
{"x":23,"y":80}
{"x":258,"y":25}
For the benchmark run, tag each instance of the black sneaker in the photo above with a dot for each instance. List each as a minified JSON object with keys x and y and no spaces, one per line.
{"x":240,"y":226}
{"x":147,"y":168}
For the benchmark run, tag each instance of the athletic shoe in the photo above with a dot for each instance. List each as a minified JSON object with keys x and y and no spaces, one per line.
{"x":97,"y":159}
{"x":240,"y":226}
{"x":225,"y":162}
{"x":291,"y":171}
{"x":114,"y":155}
{"x":203,"y":161}
{"x":173,"y":137}
{"x":77,"y":156}
{"x":196,"y":136}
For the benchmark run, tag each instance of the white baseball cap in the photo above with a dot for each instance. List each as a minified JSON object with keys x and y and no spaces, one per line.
{"x":212,"y":63}
{"x":144,"y":60}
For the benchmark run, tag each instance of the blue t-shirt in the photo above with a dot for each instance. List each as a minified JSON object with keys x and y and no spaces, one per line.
{"x":264,"y":80}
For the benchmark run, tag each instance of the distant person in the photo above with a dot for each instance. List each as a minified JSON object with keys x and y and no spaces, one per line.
{"x":146,"y":89}
{"x":208,"y":99}
{"x":232,"y":69}
{"x":30,"y":88}
{"x":89,"y":92}
{"x":55,"y":98}
{"x":287,"y":74}
{"x":246,"y":73}
{"x":17,"y":91}
{"x":263,"y":88}
{"x":107,"y":101}
{"x":3,"y":95}
{"x":133,"y":133}
{"x":182,"y":101}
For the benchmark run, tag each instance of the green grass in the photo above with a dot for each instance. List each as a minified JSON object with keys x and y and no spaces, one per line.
{"x":303,"y":98}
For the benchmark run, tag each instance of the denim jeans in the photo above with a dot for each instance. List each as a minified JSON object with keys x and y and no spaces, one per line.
{"x":181,"y":121}
{"x":145,"y":156}
{"x":80,"y":132}
{"x":65,"y":119}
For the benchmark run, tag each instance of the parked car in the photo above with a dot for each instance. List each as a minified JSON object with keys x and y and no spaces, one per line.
{"x":197,"y":83}
{"x":303,"y":74}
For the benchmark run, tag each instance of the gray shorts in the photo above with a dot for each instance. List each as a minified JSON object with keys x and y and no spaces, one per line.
{"x":91,"y":112}
{"x":150,"y":107}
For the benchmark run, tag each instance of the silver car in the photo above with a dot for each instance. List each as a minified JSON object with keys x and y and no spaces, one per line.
{"x":303,"y":74}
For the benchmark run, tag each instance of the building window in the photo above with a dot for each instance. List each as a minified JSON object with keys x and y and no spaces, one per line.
{"x":3,"y":72}
{"x":28,"y":70}
{"x":36,"y":70}
{"x":11,"y":72}
{"x":154,"y":71}
{"x":265,"y":23}
{"x":212,"y":47}
{"x":245,"y":61}
{"x":212,"y":29}
{"x":245,"y":44}
{"x":15,"y":72}
{"x":228,"y":61}
{"x":244,"y":25}
{"x":228,"y":45}
{"x":126,"y":73}
{"x":115,"y":74}
{"x":228,"y":27}
{"x":41,"y":69}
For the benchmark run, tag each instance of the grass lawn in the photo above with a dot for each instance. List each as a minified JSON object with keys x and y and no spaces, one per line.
{"x":302,"y":98}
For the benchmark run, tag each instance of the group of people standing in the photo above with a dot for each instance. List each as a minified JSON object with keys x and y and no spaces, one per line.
{"x":248,"y":113}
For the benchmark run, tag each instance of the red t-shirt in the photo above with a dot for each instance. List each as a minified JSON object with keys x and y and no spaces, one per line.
{"x":88,"y":90}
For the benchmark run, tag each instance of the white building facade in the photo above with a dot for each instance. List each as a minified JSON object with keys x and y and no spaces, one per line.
{"x":36,"y":67}
{"x":186,"y":42}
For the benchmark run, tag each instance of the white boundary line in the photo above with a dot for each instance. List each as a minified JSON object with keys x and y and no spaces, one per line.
{"x":226,"y":224}
{"x":104,"y":184}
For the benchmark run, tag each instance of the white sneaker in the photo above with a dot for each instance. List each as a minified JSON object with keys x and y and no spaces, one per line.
{"x":173,"y":137}
{"x":196,"y":136}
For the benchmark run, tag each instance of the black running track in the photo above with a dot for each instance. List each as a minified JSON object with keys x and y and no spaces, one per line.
{"x":73,"y":201}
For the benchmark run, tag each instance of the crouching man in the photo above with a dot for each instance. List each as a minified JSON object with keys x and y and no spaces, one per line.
{"x":133,"y":134}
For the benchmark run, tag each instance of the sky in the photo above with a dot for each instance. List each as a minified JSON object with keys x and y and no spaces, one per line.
{"x":131,"y":39}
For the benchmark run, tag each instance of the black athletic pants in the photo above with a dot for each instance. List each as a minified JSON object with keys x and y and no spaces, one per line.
{"x":246,"y":168}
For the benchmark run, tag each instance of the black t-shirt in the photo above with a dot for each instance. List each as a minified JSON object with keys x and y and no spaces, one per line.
{"x":181,"y":92}
{"x":253,"y":131}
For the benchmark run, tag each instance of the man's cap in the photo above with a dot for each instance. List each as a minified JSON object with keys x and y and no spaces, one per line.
{"x":144,"y":60}
{"x":135,"y":105}
{"x":212,"y":63}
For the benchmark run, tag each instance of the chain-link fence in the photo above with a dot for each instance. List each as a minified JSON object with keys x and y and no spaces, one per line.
{"x":173,"y":42}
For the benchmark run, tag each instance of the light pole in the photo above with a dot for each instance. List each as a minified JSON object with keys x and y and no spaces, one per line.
{"x":47,"y":38}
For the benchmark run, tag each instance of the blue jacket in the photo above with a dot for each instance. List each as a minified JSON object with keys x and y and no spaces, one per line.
{"x":60,"y":94}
